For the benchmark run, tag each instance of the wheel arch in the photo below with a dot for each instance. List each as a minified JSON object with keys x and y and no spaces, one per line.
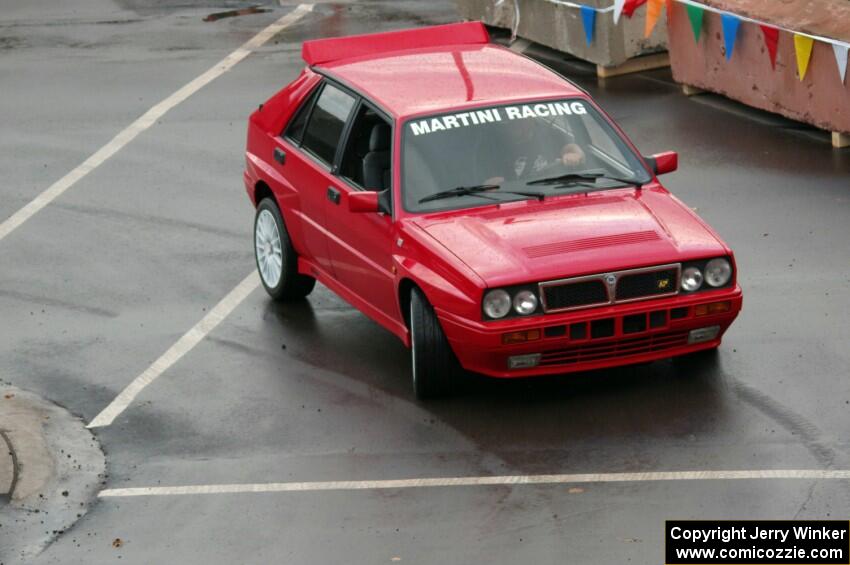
{"x":262,"y":191}
{"x":405,"y":289}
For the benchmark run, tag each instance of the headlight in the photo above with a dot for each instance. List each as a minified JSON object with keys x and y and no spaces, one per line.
{"x":497,"y":303}
{"x":717,"y":272}
{"x":691,"y":279}
{"x":525,"y":302}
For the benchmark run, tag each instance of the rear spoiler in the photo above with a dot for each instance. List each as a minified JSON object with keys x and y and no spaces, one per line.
{"x":334,"y":49}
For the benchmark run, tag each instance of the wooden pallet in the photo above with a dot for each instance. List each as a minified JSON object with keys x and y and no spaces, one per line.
{"x":636,"y":65}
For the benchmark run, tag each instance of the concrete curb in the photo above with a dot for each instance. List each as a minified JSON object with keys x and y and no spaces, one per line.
{"x":51,"y":468}
{"x":8,"y":466}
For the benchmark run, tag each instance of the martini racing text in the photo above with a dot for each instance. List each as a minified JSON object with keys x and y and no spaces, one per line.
{"x":492,"y":115}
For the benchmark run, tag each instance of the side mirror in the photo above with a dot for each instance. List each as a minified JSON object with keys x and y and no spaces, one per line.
{"x":363,"y":201}
{"x":666,"y":162}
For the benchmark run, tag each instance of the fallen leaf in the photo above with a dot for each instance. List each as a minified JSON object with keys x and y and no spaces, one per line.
{"x":117,"y":542}
{"x":575,"y":490}
{"x":9,"y":395}
{"x":232,"y":13}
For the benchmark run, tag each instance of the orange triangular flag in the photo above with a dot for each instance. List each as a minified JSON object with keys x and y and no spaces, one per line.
{"x":653,"y":11}
{"x":803,"y":47}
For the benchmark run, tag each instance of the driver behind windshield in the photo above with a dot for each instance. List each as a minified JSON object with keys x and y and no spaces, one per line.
{"x":510,"y":151}
{"x":529,"y":149}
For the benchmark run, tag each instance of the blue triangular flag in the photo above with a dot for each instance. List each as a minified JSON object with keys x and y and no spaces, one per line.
{"x":730,"y":32}
{"x":588,"y":17}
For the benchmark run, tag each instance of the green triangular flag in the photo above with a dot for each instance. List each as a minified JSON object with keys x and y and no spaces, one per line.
{"x":695,"y":15}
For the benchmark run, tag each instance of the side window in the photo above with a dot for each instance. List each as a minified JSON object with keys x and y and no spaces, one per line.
{"x":295,"y":129}
{"x":326,"y":123}
{"x":367,"y":159}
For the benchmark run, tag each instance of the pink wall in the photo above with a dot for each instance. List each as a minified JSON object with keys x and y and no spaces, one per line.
{"x":820,"y":99}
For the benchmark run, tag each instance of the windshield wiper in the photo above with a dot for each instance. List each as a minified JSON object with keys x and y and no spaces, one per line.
{"x":477,"y":190}
{"x":578,"y":178}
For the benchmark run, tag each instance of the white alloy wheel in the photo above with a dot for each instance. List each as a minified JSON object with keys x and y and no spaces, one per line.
{"x":268,"y":249}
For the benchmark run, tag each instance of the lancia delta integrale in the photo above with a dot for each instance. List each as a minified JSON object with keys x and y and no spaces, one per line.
{"x":482,"y":208}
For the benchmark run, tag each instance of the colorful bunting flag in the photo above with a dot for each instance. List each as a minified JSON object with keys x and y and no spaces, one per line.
{"x":771,"y":40}
{"x":653,"y":11}
{"x":631,"y":5}
{"x":730,"y":32}
{"x":618,"y":9}
{"x":588,"y":17}
{"x":840,"y":50}
{"x":803,"y":47}
{"x":803,"y":44}
{"x":695,"y":14}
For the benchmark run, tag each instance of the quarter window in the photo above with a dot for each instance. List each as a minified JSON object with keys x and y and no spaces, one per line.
{"x":327,"y":121}
{"x":295,"y":129}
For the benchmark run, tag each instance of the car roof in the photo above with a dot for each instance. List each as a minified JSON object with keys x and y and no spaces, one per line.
{"x":432,"y":79}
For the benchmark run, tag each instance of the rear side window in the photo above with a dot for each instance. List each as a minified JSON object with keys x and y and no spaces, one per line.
{"x":326,"y":123}
{"x":295,"y":129}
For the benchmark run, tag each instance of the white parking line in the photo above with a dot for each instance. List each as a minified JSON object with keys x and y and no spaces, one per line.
{"x":183,"y":345}
{"x":509,"y":480}
{"x":147,"y":119}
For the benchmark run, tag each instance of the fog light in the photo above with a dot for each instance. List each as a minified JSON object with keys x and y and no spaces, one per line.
{"x":520,"y":337}
{"x":524,"y":361}
{"x":703,"y":334}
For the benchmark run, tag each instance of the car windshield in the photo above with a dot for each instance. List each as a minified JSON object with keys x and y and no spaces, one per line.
{"x":497,"y":153}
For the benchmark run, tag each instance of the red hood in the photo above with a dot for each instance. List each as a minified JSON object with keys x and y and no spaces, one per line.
{"x":534,"y":241}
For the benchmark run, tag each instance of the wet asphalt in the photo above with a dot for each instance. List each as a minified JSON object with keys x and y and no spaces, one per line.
{"x":102,"y":281}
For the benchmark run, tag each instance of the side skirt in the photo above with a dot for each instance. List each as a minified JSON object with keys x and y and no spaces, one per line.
{"x":307,"y":267}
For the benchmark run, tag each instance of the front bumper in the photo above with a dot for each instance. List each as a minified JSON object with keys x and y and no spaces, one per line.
{"x":612,"y":335}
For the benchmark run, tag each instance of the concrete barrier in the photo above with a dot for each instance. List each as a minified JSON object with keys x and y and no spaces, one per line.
{"x":615,"y":49}
{"x":819,"y":99}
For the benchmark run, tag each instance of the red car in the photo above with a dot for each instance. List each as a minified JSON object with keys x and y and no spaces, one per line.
{"x":482,"y":208}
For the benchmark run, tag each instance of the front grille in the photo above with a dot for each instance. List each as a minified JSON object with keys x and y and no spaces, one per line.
{"x":610,"y":288}
{"x":573,"y":295}
{"x":614,"y":349}
{"x":641,"y":285}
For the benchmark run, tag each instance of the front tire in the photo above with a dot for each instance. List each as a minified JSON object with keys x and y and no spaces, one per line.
{"x":435,"y":367}
{"x":276,"y":259}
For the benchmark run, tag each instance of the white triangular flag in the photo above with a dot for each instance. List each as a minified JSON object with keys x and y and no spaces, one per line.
{"x":618,"y":9}
{"x":840,"y":50}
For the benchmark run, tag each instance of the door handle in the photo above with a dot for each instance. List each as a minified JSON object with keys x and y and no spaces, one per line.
{"x":279,"y":155}
{"x":334,"y":195}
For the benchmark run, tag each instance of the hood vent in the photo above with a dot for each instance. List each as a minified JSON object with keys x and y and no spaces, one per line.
{"x":546,"y":249}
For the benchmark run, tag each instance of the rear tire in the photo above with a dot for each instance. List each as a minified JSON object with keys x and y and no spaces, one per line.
{"x":435,"y":367}
{"x":277,"y":262}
